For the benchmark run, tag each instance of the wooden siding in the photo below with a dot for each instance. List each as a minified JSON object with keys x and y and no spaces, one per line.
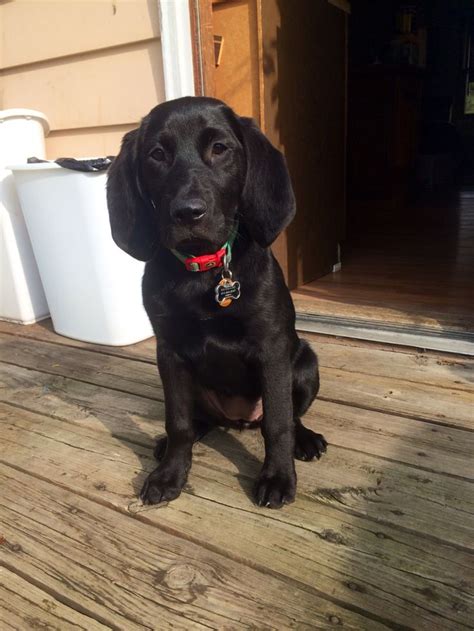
{"x":94,"y":68}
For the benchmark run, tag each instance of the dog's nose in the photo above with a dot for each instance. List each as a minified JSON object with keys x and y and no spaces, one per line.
{"x":190,"y":211}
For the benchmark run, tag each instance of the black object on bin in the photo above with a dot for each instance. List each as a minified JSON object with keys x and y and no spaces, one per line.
{"x":94,"y":164}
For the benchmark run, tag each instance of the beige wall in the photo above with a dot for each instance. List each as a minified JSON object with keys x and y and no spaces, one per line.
{"x":94,"y":67}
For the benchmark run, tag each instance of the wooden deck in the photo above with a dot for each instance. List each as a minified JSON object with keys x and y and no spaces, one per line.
{"x":380,"y":536}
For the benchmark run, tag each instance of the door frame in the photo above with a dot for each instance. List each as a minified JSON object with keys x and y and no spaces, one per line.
{"x":200,"y":15}
{"x":177,"y":48}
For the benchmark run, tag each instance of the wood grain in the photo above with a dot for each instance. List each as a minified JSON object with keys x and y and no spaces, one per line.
{"x":130,"y":573}
{"x":380,"y":535}
{"x":451,"y":406}
{"x":372,"y":567}
{"x":429,"y":446}
{"x":25,"y":606}
{"x":436,"y":369}
{"x":355,"y":479}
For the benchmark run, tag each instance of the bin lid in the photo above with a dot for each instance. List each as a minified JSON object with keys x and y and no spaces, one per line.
{"x":25,"y":113}
{"x":81,"y":165}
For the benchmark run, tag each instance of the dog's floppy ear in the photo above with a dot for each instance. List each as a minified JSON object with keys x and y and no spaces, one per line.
{"x":130,"y":210}
{"x":268,"y":202}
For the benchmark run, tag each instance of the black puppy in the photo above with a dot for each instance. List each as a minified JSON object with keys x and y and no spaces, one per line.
{"x":200,"y":194}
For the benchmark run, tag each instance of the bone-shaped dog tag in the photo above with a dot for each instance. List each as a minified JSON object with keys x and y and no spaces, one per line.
{"x":227,"y":290}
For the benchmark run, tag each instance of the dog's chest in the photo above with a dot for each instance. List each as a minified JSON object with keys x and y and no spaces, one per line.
{"x":226,"y":369}
{"x":218,"y":350}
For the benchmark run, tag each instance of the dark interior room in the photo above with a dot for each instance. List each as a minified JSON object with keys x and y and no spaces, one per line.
{"x":408,"y":253}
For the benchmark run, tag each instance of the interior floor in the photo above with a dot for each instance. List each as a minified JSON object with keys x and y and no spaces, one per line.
{"x":411,"y":268}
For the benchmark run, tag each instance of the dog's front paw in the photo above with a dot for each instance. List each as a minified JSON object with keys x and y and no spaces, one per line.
{"x":308,"y":444}
{"x":162,"y":485}
{"x":274,"y":490}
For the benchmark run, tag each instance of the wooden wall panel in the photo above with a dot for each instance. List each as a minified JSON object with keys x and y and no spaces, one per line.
{"x":34,"y":30}
{"x":88,"y":142}
{"x":237,"y":76}
{"x":94,"y":67}
{"x":108,"y":88}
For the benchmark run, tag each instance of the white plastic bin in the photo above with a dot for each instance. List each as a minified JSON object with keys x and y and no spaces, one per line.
{"x":93,"y":288}
{"x":22,"y":297}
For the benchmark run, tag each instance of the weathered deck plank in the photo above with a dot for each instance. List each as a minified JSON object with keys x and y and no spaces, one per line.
{"x":391,"y":575}
{"x":25,"y":606}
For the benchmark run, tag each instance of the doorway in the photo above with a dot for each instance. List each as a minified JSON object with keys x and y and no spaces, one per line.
{"x":372,"y":115}
{"x":408,"y":254}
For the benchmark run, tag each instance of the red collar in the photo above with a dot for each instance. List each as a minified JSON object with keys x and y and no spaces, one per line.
{"x":205,"y":262}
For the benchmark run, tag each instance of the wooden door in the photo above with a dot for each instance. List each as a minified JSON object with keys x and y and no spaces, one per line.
{"x":284,"y":63}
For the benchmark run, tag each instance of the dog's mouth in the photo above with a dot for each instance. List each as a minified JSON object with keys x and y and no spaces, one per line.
{"x":197,"y":243}
{"x":189,"y":242}
{"x":206,"y":238}
{"x":197,"y":247}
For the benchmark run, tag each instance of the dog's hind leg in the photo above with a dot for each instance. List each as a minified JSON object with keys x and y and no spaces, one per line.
{"x":308,"y":444}
{"x":201,"y":428}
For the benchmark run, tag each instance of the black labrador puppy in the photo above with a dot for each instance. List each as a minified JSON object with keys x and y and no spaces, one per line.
{"x":200,"y":194}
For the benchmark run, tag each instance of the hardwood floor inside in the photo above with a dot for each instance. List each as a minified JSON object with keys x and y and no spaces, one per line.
{"x":379,"y":537}
{"x":412,"y":268}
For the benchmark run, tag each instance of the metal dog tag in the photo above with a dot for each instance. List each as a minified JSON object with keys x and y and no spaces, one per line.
{"x":227,"y":290}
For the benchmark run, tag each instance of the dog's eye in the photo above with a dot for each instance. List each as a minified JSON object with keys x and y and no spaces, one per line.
{"x":218,"y":148}
{"x":158,"y":155}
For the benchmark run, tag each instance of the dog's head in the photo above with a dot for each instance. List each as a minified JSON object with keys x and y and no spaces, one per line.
{"x":185,"y":176}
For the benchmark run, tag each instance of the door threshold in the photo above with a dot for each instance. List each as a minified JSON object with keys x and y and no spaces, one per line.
{"x":418,"y":337}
